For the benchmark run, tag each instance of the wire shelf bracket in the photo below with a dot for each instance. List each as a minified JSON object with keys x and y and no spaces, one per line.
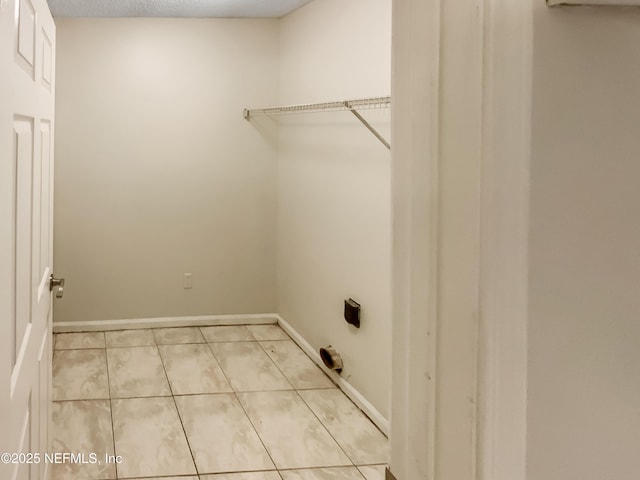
{"x":345,"y":105}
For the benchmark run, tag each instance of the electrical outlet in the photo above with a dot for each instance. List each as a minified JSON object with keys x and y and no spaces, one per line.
{"x":187,"y":281}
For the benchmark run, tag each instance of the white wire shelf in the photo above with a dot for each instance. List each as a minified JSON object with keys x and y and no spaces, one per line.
{"x":360,"y":104}
{"x":344,"y":105}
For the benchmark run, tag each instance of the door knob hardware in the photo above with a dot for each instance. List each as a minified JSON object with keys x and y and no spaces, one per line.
{"x":56,"y":283}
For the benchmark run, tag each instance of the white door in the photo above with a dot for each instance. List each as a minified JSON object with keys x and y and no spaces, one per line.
{"x":27,"y":71}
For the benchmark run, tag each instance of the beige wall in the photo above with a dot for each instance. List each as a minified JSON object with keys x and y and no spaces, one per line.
{"x":158,"y":174}
{"x":334,"y":226}
{"x":584,"y":325}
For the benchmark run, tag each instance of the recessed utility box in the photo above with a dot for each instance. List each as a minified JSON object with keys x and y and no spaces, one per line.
{"x":610,"y":3}
{"x":352,"y":312}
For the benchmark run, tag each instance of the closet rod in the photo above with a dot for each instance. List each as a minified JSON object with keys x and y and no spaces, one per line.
{"x":345,"y":105}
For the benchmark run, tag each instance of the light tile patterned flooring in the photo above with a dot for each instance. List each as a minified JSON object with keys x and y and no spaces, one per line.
{"x":209,"y":403}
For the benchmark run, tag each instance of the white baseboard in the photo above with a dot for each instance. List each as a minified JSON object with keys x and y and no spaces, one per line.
{"x":194,"y":321}
{"x":356,"y":397}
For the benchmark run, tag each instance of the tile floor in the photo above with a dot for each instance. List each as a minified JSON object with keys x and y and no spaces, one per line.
{"x":209,"y":403}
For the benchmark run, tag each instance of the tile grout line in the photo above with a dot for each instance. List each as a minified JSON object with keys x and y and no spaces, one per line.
{"x":327,"y":428}
{"x":298,"y":394}
{"x":311,"y":410}
{"x":293,"y":387}
{"x":175,"y":404}
{"x":297,"y":390}
{"x":113,"y":428}
{"x":81,"y":347}
{"x":227,"y":341}
{"x":383,"y":465}
{"x":244,"y":410}
{"x":327,"y":468}
{"x":335,"y":385}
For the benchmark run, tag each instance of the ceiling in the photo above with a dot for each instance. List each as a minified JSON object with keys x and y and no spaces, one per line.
{"x":174,"y":8}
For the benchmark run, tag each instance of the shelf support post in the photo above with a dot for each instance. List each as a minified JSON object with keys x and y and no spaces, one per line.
{"x":368,"y":125}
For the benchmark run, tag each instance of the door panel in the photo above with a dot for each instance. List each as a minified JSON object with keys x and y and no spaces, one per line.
{"x":26,"y":44}
{"x":23,"y":167}
{"x":22,"y":470}
{"x":47,"y":61}
{"x":44,"y":226}
{"x":27,"y":87}
{"x":44,"y":408}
